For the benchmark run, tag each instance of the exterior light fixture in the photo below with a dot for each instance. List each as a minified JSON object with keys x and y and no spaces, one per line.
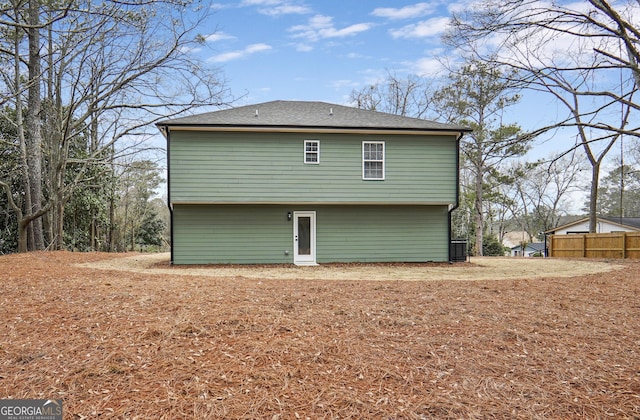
{"x":289,"y":216}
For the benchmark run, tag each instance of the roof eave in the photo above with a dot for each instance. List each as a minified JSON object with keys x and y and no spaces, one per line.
{"x":309,"y":129}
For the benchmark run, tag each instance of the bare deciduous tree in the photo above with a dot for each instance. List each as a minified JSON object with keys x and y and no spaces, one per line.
{"x":409,"y":97}
{"x":585,"y":55}
{"x":540,"y":191}
{"x":109,"y":70}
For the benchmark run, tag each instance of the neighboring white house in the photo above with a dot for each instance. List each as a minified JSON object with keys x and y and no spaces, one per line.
{"x":513,"y":242}
{"x":604,"y":225}
{"x":530,"y":250}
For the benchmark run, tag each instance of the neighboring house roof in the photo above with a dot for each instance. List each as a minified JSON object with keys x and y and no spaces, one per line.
{"x":532,"y":246}
{"x":627,"y":222}
{"x":283,"y":114}
{"x":632,"y":222}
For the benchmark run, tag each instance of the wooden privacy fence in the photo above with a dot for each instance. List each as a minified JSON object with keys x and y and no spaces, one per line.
{"x":595,"y":245}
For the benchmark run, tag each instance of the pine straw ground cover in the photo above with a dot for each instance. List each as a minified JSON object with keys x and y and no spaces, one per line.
{"x":125,"y":344}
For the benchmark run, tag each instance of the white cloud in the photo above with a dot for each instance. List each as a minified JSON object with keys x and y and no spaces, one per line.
{"x":427,"y":66}
{"x":424,"y":29}
{"x":322,"y":27}
{"x":218,"y":36}
{"x":219,"y":6}
{"x":316,"y":23}
{"x":554,"y":45}
{"x":277,"y":7}
{"x":253,"y":48}
{"x":462,"y":5}
{"x":235,"y":55}
{"x":407,"y":12}
{"x":356,"y":56}
{"x":190,"y":50}
{"x":285,"y":9}
{"x":260,"y":2}
{"x":349,"y":30}
{"x":302,"y":47}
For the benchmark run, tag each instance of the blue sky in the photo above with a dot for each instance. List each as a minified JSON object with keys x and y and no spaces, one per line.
{"x":324,"y":50}
{"x":321,"y":50}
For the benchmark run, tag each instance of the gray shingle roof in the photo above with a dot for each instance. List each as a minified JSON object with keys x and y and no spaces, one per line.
{"x":308,"y":115}
{"x":534,"y":246}
{"x":631,"y":222}
{"x":628,"y":221}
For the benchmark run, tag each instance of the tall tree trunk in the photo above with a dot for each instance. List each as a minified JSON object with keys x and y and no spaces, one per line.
{"x":58,"y":216}
{"x":479,"y":214}
{"x":53,"y":145}
{"x":593,"y":202}
{"x":25,"y":231}
{"x":112,"y":201}
{"x":93,"y":148}
{"x":111,"y":233}
{"x":33,"y":121}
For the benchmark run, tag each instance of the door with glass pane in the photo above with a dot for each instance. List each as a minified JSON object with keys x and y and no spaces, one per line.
{"x":304,"y":237}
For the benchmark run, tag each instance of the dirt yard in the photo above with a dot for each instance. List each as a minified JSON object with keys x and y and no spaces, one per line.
{"x":133,"y":338}
{"x":479,"y":269}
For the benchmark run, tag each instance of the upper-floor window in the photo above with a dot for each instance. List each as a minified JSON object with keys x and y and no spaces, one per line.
{"x":373,"y":160}
{"x":312,"y":151}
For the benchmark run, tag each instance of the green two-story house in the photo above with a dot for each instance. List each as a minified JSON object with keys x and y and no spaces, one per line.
{"x":310,"y":182}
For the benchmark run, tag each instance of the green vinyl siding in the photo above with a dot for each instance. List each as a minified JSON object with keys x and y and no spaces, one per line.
{"x":226,"y":167}
{"x":382,"y":234}
{"x":206,"y":234}
{"x":261,"y":234}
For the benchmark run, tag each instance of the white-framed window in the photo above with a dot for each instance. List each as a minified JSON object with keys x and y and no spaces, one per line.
{"x":312,"y":152}
{"x":373,"y":160}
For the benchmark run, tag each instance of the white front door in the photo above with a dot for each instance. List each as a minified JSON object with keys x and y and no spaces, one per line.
{"x":304,"y":237}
